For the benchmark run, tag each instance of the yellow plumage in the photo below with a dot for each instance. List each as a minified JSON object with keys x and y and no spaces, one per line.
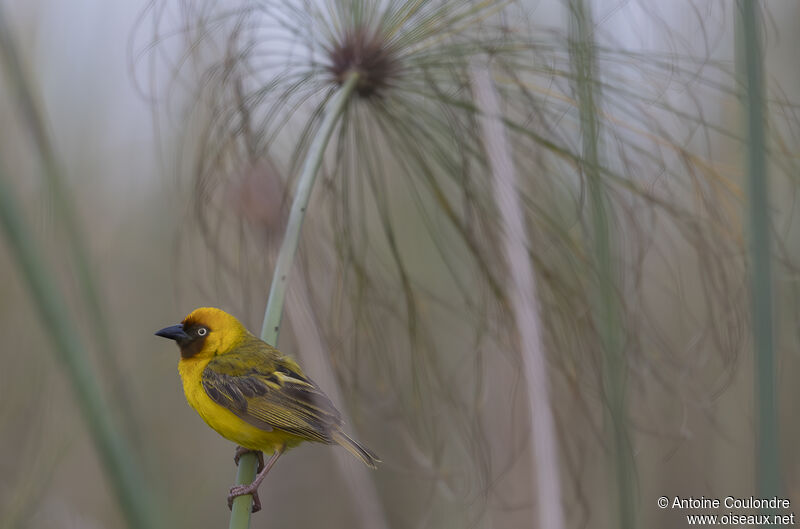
{"x":251,"y":393}
{"x":222,"y":419}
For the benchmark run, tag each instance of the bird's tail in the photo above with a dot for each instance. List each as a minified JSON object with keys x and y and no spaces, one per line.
{"x":363,"y":453}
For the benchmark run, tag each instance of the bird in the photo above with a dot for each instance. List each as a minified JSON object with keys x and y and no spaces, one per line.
{"x":252,"y":394}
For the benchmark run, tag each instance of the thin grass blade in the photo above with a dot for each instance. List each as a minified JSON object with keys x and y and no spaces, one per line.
{"x":606,"y":307}
{"x":118,"y":460}
{"x":760,"y":249}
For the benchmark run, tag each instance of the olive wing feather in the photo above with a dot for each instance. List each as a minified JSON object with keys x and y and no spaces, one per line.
{"x":269,"y":391}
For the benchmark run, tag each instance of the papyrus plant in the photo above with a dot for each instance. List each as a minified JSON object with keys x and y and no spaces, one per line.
{"x":401,"y":244}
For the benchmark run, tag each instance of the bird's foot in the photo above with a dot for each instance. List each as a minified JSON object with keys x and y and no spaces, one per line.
{"x":242,"y":490}
{"x":252,"y":488}
{"x":240,"y":451}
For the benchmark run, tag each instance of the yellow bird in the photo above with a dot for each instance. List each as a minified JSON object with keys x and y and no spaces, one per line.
{"x":252,"y":394}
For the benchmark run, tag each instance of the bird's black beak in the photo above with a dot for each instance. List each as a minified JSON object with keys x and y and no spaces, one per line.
{"x":173,"y":332}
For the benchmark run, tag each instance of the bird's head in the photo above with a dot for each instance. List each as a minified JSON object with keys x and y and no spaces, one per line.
{"x":205,"y":332}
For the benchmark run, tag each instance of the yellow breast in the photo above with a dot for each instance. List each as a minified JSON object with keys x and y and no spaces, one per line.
{"x":225,"y":422}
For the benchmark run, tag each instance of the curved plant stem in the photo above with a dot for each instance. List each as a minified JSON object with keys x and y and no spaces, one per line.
{"x":283,"y":265}
{"x":115,"y":455}
{"x":606,"y":304}
{"x":751,"y":66}
{"x":524,"y":302}
{"x":25,"y":94}
{"x":240,"y":513}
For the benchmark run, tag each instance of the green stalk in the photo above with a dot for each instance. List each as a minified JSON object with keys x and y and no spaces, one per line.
{"x":758,"y":225}
{"x":607,"y":309}
{"x":90,"y":294}
{"x":240,"y":513}
{"x":115,"y":455}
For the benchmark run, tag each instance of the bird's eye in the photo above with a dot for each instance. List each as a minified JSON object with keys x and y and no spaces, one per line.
{"x":202,"y":331}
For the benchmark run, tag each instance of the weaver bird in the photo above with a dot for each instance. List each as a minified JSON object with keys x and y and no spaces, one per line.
{"x":252,"y":394}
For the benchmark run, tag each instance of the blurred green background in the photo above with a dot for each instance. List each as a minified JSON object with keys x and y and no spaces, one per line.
{"x":129,"y":131}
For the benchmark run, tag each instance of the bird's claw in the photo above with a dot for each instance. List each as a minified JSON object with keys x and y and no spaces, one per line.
{"x":240,"y":451}
{"x":241,"y":490}
{"x":252,"y":488}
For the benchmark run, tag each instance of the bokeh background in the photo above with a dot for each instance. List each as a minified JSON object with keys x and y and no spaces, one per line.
{"x":133,"y":114}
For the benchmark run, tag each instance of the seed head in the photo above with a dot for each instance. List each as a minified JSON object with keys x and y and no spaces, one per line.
{"x":366,"y":52}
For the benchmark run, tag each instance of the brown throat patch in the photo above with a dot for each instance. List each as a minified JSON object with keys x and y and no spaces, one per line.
{"x":190,"y":349}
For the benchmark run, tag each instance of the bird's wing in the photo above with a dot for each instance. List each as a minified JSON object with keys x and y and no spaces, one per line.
{"x":270,"y":391}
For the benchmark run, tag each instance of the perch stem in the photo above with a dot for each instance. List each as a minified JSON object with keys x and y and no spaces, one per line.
{"x":240,"y":512}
